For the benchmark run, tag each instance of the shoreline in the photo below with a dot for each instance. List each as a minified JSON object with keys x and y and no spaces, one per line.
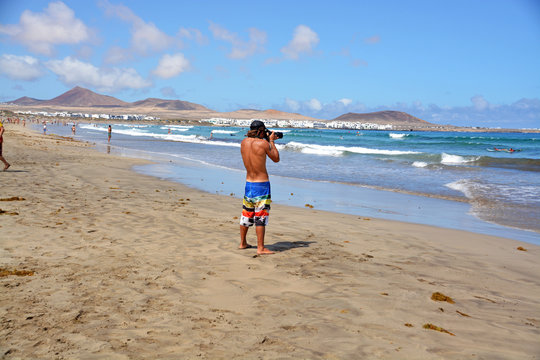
{"x":179,"y":118}
{"x":130,"y":266}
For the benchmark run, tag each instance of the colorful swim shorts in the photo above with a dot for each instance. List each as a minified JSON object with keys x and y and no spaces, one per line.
{"x":256,"y":204}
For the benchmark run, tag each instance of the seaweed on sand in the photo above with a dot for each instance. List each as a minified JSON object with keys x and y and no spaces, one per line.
{"x":6,"y":272}
{"x":437,"y":296}
{"x":437,"y":328}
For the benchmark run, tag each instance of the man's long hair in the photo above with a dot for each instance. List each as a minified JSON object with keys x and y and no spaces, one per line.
{"x":255,"y":133}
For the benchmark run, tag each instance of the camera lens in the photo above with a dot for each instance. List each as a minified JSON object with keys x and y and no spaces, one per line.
{"x":279,"y":135}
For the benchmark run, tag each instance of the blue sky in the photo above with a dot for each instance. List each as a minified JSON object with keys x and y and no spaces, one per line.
{"x":471,"y":63}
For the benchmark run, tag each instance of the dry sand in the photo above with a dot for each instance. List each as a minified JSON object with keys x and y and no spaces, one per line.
{"x":128,"y":266}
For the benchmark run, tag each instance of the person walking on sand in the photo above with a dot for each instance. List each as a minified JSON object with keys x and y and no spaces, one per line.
{"x":256,"y":204}
{"x":110,"y":133}
{"x":6,"y":164}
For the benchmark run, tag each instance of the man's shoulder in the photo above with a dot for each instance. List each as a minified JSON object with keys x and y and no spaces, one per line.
{"x":254,"y":141}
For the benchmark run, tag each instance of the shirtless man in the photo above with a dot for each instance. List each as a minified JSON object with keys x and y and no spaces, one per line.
{"x":6,"y":164}
{"x":256,"y":204}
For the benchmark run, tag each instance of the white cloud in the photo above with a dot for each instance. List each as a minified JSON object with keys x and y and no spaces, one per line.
{"x":292,"y":104}
{"x":304,"y":40}
{"x":40,"y":32}
{"x":479,"y":102}
{"x":345,"y":101}
{"x":193,"y":34}
{"x":240,"y":49}
{"x":171,"y":66}
{"x":75,"y":72}
{"x":314,"y":104}
{"x":20,"y":67}
{"x":146,"y":38}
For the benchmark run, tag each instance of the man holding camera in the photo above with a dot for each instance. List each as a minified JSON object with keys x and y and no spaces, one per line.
{"x":256,"y":204}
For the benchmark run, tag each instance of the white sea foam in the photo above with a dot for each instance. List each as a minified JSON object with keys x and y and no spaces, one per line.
{"x":180,"y":126}
{"x":92,"y":127}
{"x":397,"y":136}
{"x":505,"y":193}
{"x":419,"y":164}
{"x":224,"y":132}
{"x":449,"y":159}
{"x":463,"y":186}
{"x":197,"y":139}
{"x":175,"y":128}
{"x":329,"y":150}
{"x":131,"y":125}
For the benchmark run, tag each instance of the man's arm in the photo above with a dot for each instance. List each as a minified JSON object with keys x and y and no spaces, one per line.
{"x":272,"y":151}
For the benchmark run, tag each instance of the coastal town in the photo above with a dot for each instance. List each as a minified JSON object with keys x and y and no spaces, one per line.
{"x":280,"y":123}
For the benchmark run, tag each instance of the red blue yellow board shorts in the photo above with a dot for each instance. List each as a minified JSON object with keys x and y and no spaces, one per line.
{"x":256,"y":204}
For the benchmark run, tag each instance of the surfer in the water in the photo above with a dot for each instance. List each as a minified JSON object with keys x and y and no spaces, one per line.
{"x":507,"y":150}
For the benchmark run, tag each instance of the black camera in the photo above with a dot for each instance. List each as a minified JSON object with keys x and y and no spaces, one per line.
{"x":268,"y":133}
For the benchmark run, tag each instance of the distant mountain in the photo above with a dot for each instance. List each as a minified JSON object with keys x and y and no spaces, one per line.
{"x":26,"y":101}
{"x":79,"y":96}
{"x":167,"y":104}
{"x":383,"y":117}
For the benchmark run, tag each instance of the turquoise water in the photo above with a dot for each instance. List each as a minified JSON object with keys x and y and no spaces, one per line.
{"x":455,"y":168}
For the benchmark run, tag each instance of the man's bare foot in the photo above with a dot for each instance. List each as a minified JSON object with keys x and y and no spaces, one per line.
{"x":264,"y":251}
{"x":7,"y":167}
{"x":247,"y":246}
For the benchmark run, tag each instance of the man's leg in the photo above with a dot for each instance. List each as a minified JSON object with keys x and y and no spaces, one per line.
{"x":6,"y":164}
{"x":261,"y":250}
{"x":243,"y":234}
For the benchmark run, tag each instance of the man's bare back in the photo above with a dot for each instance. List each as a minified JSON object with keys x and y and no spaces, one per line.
{"x":254,"y":153}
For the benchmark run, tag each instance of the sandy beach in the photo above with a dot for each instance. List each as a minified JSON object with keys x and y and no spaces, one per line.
{"x":118,"y":265}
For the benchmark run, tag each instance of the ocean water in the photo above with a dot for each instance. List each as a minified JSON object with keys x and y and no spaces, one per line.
{"x":449,"y":179}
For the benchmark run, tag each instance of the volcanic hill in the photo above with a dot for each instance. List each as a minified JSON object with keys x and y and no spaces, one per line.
{"x":383,"y":117}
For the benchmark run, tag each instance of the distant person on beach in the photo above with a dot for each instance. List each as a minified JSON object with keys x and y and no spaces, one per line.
{"x":45,"y":128}
{"x":257,"y":199}
{"x":73,"y":129}
{"x":110,"y":133}
{"x":6,"y":164}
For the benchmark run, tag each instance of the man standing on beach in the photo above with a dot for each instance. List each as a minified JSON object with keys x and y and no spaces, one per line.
{"x":256,"y":203}
{"x":110,"y":133}
{"x":6,"y":164}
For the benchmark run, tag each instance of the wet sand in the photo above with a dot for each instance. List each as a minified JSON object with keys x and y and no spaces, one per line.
{"x":120,"y":265}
